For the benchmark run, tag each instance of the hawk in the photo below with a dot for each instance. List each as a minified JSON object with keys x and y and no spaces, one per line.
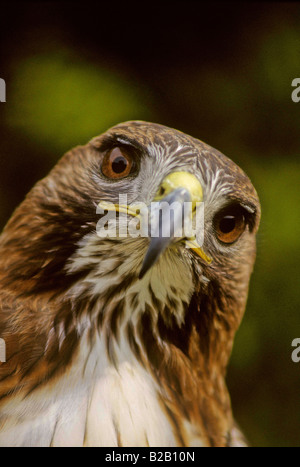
{"x":125,"y":340}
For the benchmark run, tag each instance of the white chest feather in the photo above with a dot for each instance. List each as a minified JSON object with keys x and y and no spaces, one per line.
{"x":95,"y":404}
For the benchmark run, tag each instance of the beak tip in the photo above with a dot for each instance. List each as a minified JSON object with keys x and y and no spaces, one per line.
{"x":146,"y":266}
{"x":142,"y":273}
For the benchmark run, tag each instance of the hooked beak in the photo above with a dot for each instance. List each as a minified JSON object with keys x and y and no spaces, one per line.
{"x":176,"y":189}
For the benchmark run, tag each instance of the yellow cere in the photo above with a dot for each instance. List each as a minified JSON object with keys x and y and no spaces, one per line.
{"x":181,"y":180}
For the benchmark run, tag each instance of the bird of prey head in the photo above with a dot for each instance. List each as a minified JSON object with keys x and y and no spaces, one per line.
{"x":124,"y":340}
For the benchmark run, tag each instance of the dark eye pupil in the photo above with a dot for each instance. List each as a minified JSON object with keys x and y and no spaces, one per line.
{"x":119,"y":165}
{"x":227,"y":224}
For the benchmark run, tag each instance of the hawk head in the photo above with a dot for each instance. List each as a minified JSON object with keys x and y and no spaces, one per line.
{"x":169,"y":304}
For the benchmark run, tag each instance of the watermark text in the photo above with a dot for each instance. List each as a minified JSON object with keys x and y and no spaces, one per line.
{"x":159,"y":219}
{"x":296,"y":92}
{"x":2,"y":351}
{"x":296,"y":352}
{"x":2,"y":90}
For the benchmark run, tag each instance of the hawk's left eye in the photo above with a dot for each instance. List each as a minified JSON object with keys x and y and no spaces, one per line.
{"x":117,"y":163}
{"x":230,"y":223}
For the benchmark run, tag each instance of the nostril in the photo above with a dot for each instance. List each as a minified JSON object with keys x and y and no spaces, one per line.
{"x":162,"y":191}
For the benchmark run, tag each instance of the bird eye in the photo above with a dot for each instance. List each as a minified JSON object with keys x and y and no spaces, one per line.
{"x":230,"y":223}
{"x":117,"y":164}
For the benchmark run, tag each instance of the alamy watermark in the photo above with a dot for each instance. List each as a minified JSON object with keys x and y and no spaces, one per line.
{"x":2,"y":351}
{"x":296,"y":92}
{"x":159,"y":219}
{"x":2,"y":90}
{"x":296,"y":352}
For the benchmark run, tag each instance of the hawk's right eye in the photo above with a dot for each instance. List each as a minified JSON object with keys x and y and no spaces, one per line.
{"x":117,"y":163}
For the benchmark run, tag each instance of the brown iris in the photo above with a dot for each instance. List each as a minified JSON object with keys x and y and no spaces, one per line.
{"x":117,"y":163}
{"x":230,"y":223}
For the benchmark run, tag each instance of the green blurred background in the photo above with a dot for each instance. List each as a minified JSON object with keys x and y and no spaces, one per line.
{"x":221,"y":72}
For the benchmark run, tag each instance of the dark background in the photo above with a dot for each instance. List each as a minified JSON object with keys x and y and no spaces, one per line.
{"x":221,"y":72}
